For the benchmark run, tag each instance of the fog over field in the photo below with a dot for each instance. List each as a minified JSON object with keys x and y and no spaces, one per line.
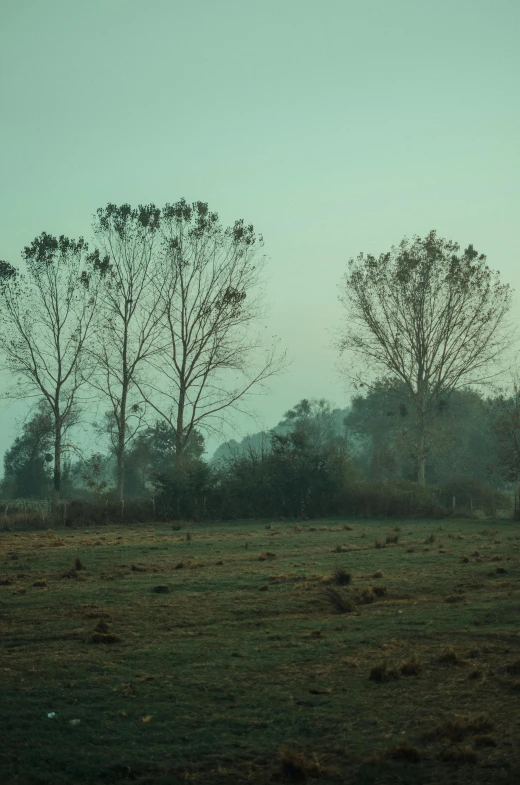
{"x":334,"y":128}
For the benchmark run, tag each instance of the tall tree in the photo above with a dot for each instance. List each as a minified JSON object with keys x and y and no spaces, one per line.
{"x":47,"y":317}
{"x":210,"y":302}
{"x":426,"y":315}
{"x":127,"y":243}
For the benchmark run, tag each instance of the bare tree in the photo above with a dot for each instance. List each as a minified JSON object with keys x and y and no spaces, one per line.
{"x":210,"y":300}
{"x":128,"y":330}
{"x":426,"y":315}
{"x":47,"y":318}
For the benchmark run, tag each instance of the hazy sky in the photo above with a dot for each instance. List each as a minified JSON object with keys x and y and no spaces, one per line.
{"x":334,"y":127}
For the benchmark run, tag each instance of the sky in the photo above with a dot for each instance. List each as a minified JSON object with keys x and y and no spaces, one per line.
{"x":334,"y":127}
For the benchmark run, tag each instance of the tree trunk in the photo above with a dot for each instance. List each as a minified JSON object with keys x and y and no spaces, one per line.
{"x":57,"y":468}
{"x":179,"y":430}
{"x":121,"y":450}
{"x":421,"y":460}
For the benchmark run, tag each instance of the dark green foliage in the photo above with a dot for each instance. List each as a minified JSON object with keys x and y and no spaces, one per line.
{"x":151,"y":460}
{"x":460,"y":440}
{"x":27,"y":463}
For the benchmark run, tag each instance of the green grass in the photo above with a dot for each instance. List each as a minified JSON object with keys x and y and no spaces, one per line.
{"x":245,"y":671}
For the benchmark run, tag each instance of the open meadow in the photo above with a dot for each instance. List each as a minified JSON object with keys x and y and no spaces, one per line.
{"x":255,"y":652}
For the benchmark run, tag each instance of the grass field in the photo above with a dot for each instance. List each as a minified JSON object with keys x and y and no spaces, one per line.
{"x":361,"y":652}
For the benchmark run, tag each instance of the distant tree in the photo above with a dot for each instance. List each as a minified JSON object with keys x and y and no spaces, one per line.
{"x":46,"y":320}
{"x":26,"y":462}
{"x":311,"y":463}
{"x":151,"y":457}
{"x":210,"y":302}
{"x":127,"y":251}
{"x":93,"y":473}
{"x":429,"y":316}
{"x":304,"y":468}
{"x":381,"y":424}
{"x":461,"y":442}
{"x":505,"y":414}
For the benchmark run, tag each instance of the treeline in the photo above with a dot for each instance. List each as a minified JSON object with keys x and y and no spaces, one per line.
{"x":158,"y":322}
{"x":318,"y":461}
{"x":160,"y":317}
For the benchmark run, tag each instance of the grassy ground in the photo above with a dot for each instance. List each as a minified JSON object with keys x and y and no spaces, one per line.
{"x":251,"y":664}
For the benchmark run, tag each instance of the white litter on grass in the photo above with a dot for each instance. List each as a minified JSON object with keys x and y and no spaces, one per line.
{"x":74,"y":722}
{"x":51,"y":715}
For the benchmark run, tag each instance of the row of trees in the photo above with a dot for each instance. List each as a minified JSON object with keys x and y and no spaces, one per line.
{"x":161,"y":314}
{"x":317,"y":461}
{"x":160,"y":319}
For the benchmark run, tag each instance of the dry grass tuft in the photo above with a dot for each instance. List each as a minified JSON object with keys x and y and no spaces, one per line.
{"x":267,"y":556}
{"x":341,"y":577}
{"x":347,"y":528}
{"x":188,"y":537}
{"x":296,"y":767}
{"x":459,"y":754}
{"x":380,"y":591}
{"x":136,"y":568}
{"x":161,"y":589}
{"x":459,"y":726}
{"x":340,"y":549}
{"x":403,"y":751}
{"x":100,"y":637}
{"x":449,"y":656}
{"x":297,"y":529}
{"x":340,"y":604}
{"x":464,"y":560}
{"x":78,"y":565}
{"x":40,"y":584}
{"x":411,"y":667}
{"x":430,"y":540}
{"x":377,"y":574}
{"x":392,"y":539}
{"x":513,"y":668}
{"x":102,"y":633}
{"x":383,"y":673}
{"x":454,"y":598}
{"x":378,"y":544}
{"x":367,"y":596}
{"x":69,"y":574}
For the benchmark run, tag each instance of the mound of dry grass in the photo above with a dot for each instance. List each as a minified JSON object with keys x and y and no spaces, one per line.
{"x":383,"y":673}
{"x":341,"y":577}
{"x":340,"y":604}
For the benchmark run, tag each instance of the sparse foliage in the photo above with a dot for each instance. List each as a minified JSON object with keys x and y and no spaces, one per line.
{"x":429,"y":316}
{"x":47,"y":318}
{"x":213,"y":352}
{"x":128,"y":328}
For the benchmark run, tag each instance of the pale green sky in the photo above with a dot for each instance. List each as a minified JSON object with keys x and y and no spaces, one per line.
{"x":334,"y":127}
